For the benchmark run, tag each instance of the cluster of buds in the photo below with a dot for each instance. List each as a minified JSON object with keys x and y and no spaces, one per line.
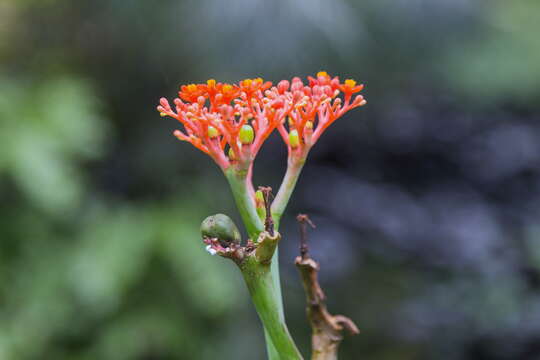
{"x":314,"y":107}
{"x":230,"y":122}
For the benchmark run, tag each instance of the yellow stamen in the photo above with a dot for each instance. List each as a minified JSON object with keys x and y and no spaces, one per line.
{"x":192,"y":87}
{"x":350,"y":83}
{"x":211,"y":83}
{"x":162,"y":114}
{"x":322,"y":73}
{"x":227,"y":88}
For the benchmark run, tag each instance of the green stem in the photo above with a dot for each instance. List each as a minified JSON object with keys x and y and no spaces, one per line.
{"x":271,"y":350}
{"x":279,"y":204}
{"x":254,"y":226}
{"x":295,"y":165}
{"x":244,"y":202}
{"x":260,"y":283}
{"x":274,"y":269}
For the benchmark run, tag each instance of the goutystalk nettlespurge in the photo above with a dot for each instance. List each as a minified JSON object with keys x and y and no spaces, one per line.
{"x":230,"y":122}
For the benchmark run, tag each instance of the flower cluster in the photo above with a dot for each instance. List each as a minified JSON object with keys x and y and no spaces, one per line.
{"x":230,"y":122}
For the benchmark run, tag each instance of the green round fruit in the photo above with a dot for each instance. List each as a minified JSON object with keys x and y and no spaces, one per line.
{"x":221,"y":227}
{"x":246,"y":134}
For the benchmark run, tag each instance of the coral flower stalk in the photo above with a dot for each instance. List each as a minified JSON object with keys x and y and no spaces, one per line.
{"x":314,"y":107}
{"x":230,"y":123}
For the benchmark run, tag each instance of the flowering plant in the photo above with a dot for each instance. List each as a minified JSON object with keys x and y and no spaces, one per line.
{"x":230,"y":122}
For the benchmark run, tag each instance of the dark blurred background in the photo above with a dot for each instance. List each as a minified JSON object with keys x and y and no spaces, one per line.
{"x":427,"y":200}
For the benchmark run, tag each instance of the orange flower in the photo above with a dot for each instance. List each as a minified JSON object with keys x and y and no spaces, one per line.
{"x":323,"y":79}
{"x":350,"y":87}
{"x":218,"y":93}
{"x":252,"y":86}
{"x":231,"y":122}
{"x":236,"y":118}
{"x":314,"y":108}
{"x":226,"y":93}
{"x":191,"y":92}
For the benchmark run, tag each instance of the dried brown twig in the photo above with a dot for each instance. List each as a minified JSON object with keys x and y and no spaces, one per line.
{"x":268,"y":221}
{"x":327,"y":329}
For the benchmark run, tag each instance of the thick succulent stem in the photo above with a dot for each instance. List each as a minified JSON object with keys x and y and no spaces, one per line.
{"x":260,"y":283}
{"x":269,"y":284}
{"x":238,"y":181}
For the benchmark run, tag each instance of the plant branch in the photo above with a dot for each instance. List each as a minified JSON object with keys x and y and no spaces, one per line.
{"x":254,"y":261}
{"x":327,"y":329}
{"x":238,"y":180}
{"x":294,"y":168}
{"x":269,"y":284}
{"x":260,"y":283}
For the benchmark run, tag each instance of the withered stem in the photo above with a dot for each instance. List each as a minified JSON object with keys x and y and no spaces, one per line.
{"x":327,"y":329}
{"x":303,"y":220}
{"x":268,"y":221}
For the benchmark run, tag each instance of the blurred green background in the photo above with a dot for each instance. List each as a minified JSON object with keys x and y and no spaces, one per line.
{"x":427,"y":200}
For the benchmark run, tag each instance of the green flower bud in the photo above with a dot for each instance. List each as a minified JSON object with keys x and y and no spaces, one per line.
{"x":294,"y":140}
{"x":221,"y":227}
{"x":232,"y":155}
{"x":246,"y":134}
{"x":212,"y":132}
